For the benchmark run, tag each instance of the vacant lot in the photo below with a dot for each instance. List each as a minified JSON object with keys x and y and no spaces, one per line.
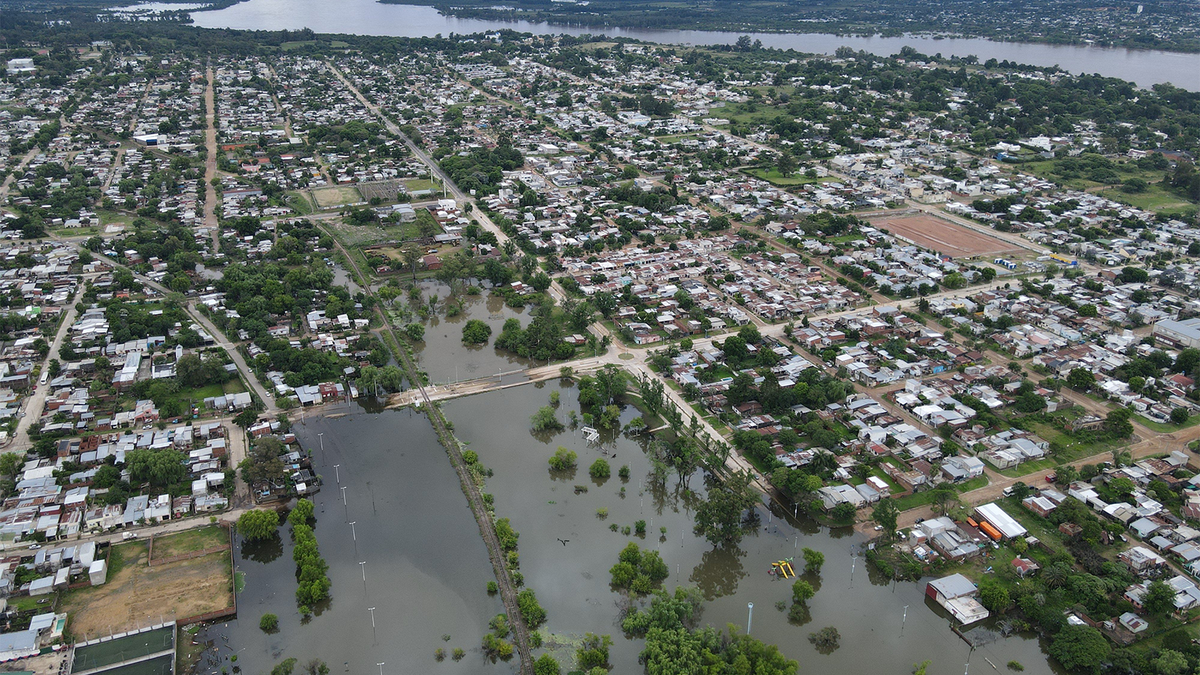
{"x":189,"y":542}
{"x":943,"y":236}
{"x":330,"y":197}
{"x":137,"y":594}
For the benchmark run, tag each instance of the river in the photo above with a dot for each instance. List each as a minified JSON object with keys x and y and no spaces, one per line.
{"x":368,"y":17}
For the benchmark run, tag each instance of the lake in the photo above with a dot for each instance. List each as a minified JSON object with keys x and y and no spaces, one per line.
{"x":368,"y":17}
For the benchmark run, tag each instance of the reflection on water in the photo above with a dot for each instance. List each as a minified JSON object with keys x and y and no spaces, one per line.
{"x":262,"y":551}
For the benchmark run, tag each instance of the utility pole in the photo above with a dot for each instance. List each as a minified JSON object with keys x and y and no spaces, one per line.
{"x":749,"y":616}
{"x":321,"y":437}
{"x":337,"y":474}
{"x":352,"y":532}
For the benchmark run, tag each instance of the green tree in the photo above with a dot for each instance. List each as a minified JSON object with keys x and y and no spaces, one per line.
{"x":802,"y":592}
{"x":268,"y":623}
{"x":813,"y":560}
{"x":476,"y":332}
{"x":545,"y":419}
{"x":1159,"y":599}
{"x":415,"y":332}
{"x":994,"y":596}
{"x":1179,"y":416}
{"x":719,"y":518}
{"x":258,"y":524}
{"x":1081,"y":647}
{"x":546,"y":665}
{"x":885,"y":514}
{"x":563,"y":459}
{"x":600,"y":469}
{"x":1081,"y":379}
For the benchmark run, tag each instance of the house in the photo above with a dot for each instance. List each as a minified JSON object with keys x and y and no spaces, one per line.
{"x":957,"y":595}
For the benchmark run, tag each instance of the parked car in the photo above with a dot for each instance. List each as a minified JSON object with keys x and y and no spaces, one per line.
{"x":1051,"y":477}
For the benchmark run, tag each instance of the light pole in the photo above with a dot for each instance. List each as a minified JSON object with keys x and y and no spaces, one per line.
{"x":337,"y":474}
{"x":352,"y":532}
{"x":749,"y":615}
{"x":321,"y":437}
{"x":363,"y":566}
{"x":374,"y":635}
{"x":380,"y":668}
{"x":343,"y":495}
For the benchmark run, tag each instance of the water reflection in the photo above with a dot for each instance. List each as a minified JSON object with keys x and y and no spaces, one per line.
{"x":719,"y":572}
{"x":262,"y":551}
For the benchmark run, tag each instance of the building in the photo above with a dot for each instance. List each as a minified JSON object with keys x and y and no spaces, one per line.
{"x":1005,"y":525}
{"x":1180,"y":334}
{"x":957,"y":594}
{"x":21,"y":66}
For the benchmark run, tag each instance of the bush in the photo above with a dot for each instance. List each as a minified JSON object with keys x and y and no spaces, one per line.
{"x":546,"y":665}
{"x":827,"y":638}
{"x":268,"y":623}
{"x":623,"y":472}
{"x":492,"y":588}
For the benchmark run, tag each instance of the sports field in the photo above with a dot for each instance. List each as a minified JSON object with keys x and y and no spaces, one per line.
{"x":943,"y":236}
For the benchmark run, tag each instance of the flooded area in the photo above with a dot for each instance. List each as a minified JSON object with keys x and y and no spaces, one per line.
{"x":426,"y":566}
{"x":443,"y":354}
{"x":572,"y":578}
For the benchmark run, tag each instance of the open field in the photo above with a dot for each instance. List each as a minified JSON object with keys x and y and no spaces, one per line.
{"x":190,"y":541}
{"x":942,"y":236}
{"x":330,"y":197}
{"x":137,"y":594}
{"x":773,"y":177}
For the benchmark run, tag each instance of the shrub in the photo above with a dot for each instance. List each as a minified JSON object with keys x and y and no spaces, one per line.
{"x":268,"y":623}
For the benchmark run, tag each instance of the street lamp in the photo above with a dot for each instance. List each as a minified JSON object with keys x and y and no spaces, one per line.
{"x":343,"y":495}
{"x":363,"y":566}
{"x":337,"y":474}
{"x":321,"y":437}
{"x":749,"y":615}
{"x":352,"y":532}
{"x":380,"y":668}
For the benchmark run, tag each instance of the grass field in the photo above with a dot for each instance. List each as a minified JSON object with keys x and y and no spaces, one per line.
{"x":299,"y":203}
{"x":190,"y":541}
{"x":123,"y":649}
{"x":773,"y":177}
{"x":137,"y":594}
{"x":332,"y":197}
{"x":196,"y":396}
{"x":415,"y":184}
{"x":1154,"y":198}
{"x":922,"y":498}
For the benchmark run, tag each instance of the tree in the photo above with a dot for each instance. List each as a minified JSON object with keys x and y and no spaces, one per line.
{"x":563,"y":459}
{"x":813,"y":560}
{"x":415,"y":332}
{"x":993,"y":596}
{"x":258,"y":524}
{"x":843,"y":511}
{"x":884,"y":514}
{"x":945,"y":498}
{"x":1081,"y":379}
{"x":1179,"y":416}
{"x":246,"y":418}
{"x":1159,"y":598}
{"x":412,"y":255}
{"x":826,"y":640}
{"x":546,"y":665}
{"x":802,"y":591}
{"x":600,"y":469}
{"x":1117,"y":422}
{"x":268,"y":623}
{"x":719,"y":518}
{"x":476,"y":332}
{"x":160,"y":468}
{"x":545,"y":419}
{"x":1170,"y":662}
{"x":1081,"y":647}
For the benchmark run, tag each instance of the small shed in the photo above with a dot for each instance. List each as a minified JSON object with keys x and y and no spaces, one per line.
{"x":98,"y":572}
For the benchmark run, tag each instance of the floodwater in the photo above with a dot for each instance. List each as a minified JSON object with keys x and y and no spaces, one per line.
{"x":368,"y":17}
{"x":572,"y":580}
{"x":444,"y":355}
{"x":426,"y":566}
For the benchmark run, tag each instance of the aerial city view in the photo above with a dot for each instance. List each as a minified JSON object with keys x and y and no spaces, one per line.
{"x":577,"y":337}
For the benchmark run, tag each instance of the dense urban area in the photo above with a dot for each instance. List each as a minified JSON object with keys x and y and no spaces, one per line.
{"x":942,"y":309}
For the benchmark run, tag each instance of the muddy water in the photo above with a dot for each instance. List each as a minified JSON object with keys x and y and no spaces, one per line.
{"x":426,"y":566}
{"x":571,"y":578}
{"x":443,"y":354}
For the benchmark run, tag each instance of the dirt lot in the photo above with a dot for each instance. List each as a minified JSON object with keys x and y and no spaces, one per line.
{"x":137,"y":594}
{"x":336,"y":196}
{"x":943,"y":236}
